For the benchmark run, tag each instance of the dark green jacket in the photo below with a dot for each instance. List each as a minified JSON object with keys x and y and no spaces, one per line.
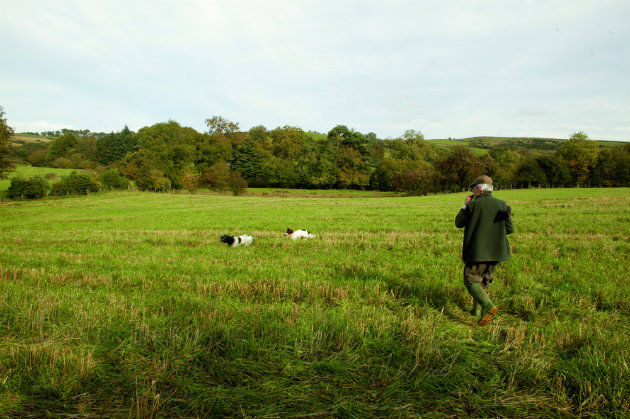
{"x":488,"y":222}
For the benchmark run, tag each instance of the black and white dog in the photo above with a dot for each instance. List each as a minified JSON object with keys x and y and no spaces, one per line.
{"x":242,"y":240}
{"x":299,"y":234}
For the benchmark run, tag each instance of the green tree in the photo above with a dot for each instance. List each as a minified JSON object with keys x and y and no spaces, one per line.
{"x":350,"y":157}
{"x":581,"y":155}
{"x":530,"y":173}
{"x":247,"y":160}
{"x":151,"y":179}
{"x":211,"y":149}
{"x":5,"y":133}
{"x":113,"y":147}
{"x":61,"y":147}
{"x":170,"y":148}
{"x":112,"y":179}
{"x":507,"y":162}
{"x":613,"y":167}
{"x":556,"y":170}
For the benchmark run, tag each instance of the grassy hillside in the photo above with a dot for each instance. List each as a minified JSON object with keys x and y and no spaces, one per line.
{"x":48,"y":173}
{"x":127,"y":305}
{"x":480,"y":145}
{"x":29,"y":138}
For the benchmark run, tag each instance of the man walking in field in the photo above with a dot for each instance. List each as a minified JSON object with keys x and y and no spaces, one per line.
{"x":487,"y":223}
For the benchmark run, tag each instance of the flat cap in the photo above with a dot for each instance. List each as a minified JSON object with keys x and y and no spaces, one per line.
{"x":481,"y":180}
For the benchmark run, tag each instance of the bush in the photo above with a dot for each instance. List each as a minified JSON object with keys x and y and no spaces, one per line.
{"x":152,"y":179}
{"x":75,"y":184}
{"x":31,"y":188}
{"x":112,"y":179}
{"x":221,"y":178}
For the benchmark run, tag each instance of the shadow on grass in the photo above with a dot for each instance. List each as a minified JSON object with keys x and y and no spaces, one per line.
{"x":440,"y":297}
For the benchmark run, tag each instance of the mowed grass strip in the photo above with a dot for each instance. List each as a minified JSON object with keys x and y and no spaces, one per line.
{"x":126,"y":304}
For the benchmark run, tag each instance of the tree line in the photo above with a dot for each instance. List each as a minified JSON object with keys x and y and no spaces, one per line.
{"x":168,"y":156}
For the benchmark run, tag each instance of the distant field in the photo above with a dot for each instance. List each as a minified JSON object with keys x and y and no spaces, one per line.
{"x":49,"y":173}
{"x":29,"y":138}
{"x":444,"y":144}
{"x":126,"y":304}
{"x":480,"y":145}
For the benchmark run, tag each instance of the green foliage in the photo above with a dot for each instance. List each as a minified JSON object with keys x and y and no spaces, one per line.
{"x":167,"y":155}
{"x":5,"y":132}
{"x":419,"y":179}
{"x":68,"y":151}
{"x":169,"y":147}
{"x":112,"y":179}
{"x":530,"y":173}
{"x":221,"y":177}
{"x":113,"y":147}
{"x":581,"y":155}
{"x":30,"y":188}
{"x":613,"y":167}
{"x":151,"y":179}
{"x":458,"y":168}
{"x":75,"y":184}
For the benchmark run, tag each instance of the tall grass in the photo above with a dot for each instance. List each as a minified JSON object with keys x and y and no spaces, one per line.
{"x":127,"y":305}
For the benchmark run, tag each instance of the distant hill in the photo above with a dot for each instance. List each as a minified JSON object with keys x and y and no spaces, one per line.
{"x":535,"y":145}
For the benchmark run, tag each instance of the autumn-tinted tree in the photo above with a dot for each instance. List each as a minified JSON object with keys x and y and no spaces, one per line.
{"x":5,"y":132}
{"x":458,"y":168}
{"x":217,"y":125}
{"x":418,"y":180}
{"x":221,"y":177}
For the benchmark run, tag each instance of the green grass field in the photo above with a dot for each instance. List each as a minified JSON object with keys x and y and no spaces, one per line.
{"x":48,"y":173}
{"x":126,"y":304}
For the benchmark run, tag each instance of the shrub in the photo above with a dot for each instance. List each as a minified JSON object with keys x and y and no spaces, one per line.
{"x":152,"y":179}
{"x":31,"y":188}
{"x":112,"y":179}
{"x":75,"y":184}
{"x":189,"y":180}
{"x":221,"y":178}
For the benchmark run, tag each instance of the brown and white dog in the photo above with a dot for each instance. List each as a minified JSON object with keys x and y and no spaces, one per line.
{"x":299,"y":234}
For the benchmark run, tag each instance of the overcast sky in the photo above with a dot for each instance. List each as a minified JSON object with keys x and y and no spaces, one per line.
{"x":447,"y":68}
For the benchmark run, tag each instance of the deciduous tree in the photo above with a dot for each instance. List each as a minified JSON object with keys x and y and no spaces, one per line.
{"x":581,"y":155}
{"x":5,"y":132}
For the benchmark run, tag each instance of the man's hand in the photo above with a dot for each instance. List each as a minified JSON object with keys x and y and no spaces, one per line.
{"x":468,"y":199}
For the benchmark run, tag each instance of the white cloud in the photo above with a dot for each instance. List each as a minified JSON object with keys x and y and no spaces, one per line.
{"x":446,"y":68}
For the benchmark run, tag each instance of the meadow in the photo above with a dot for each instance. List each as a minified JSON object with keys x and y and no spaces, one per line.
{"x":125,"y":304}
{"x":52,"y":175}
